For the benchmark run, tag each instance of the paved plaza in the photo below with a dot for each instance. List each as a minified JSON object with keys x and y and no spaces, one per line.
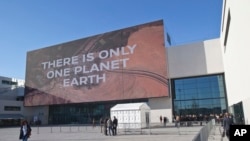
{"x":88,"y":133}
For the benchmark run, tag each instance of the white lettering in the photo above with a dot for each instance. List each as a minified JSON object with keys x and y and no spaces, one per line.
{"x":115,"y":64}
{"x":60,"y":62}
{"x":243,"y":131}
{"x":123,"y":51}
{"x":84,"y":80}
{"x":66,"y":72}
{"x":66,"y":82}
{"x":103,"y":78}
{"x":103,"y":54}
{"x":66,"y":61}
{"x":239,"y":132}
{"x":77,"y":69}
{"x":75,"y":60}
{"x":131,"y":48}
{"x":114,"y":52}
{"x":94,"y":68}
{"x":50,"y":74}
{"x":74,"y":82}
{"x":87,"y":58}
{"x":124,"y":62}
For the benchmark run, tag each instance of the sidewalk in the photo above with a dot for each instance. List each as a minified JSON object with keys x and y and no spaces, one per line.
{"x":215,"y":134}
{"x":94,"y":134}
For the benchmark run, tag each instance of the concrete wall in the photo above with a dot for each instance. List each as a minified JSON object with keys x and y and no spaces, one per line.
{"x":28,"y":112}
{"x":41,"y":112}
{"x":246,"y":110}
{"x":160,"y":107}
{"x":195,"y":59}
{"x":4,"y":103}
{"x":236,"y":51}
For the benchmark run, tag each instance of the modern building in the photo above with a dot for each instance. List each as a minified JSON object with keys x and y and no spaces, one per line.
{"x":81,"y":80}
{"x":78,"y":81}
{"x":235,"y":48}
{"x":11,"y":101}
{"x":197,"y":78}
{"x":12,"y":109}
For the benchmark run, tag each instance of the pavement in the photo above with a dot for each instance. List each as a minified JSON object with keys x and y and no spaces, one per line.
{"x":89,"y":133}
{"x":215,"y":134}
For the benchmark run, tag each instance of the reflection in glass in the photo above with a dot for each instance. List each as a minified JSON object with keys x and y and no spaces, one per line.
{"x":199,"y":95}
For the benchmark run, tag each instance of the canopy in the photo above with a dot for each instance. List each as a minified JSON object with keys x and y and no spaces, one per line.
{"x":130,"y":106}
{"x":11,"y":116}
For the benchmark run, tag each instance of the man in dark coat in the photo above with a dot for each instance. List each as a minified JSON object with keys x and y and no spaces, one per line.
{"x":227,"y":121}
{"x":115,"y":123}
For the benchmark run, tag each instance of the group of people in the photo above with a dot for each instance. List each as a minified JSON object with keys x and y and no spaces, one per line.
{"x":163,"y":120}
{"x":110,"y":126}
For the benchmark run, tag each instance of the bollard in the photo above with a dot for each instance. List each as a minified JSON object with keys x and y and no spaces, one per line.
{"x":37,"y":129}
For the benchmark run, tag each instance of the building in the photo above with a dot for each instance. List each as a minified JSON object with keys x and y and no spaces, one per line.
{"x":197,"y":79}
{"x":12,"y":109}
{"x":78,"y":81}
{"x":234,"y":43}
{"x":11,"y":101}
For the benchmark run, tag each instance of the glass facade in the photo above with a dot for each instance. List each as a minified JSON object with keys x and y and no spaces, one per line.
{"x":204,"y":95}
{"x":83,"y":113}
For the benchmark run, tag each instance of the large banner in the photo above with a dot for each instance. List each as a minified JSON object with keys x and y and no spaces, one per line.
{"x":125,"y":64}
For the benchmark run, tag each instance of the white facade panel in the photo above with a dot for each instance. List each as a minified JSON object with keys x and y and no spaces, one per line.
{"x":214,"y":56}
{"x":11,"y":103}
{"x":246,"y":110}
{"x":186,"y":60}
{"x":160,"y":107}
{"x":236,"y":50}
{"x":195,"y":59}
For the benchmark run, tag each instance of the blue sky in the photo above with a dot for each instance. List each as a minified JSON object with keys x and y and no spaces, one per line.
{"x":27,"y":25}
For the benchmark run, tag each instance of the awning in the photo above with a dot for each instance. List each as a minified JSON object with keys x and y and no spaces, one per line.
{"x":11,"y":116}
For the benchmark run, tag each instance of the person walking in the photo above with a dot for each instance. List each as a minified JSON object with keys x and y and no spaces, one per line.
{"x":106,"y":126}
{"x":115,"y":123}
{"x":101,"y":124}
{"x":93,"y":122}
{"x":25,"y":131}
{"x":227,"y":121}
{"x":165,"y":121}
{"x":177,"y":121}
{"x":161,"y":119}
{"x":110,"y":126}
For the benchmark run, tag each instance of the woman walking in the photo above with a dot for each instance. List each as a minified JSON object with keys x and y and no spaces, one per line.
{"x":25,"y":131}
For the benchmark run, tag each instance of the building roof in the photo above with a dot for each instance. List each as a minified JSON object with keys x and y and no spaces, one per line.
{"x":130,"y":106}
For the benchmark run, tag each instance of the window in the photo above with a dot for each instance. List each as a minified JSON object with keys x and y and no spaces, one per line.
{"x":9,"y":82}
{"x":199,"y":95}
{"x":223,"y":14}
{"x":227,"y":28}
{"x":12,"y":108}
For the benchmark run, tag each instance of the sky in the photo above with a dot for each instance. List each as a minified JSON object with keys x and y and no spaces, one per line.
{"x":27,"y":25}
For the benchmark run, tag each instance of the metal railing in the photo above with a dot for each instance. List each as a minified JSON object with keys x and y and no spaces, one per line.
{"x":183,"y":128}
{"x":205,"y":131}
